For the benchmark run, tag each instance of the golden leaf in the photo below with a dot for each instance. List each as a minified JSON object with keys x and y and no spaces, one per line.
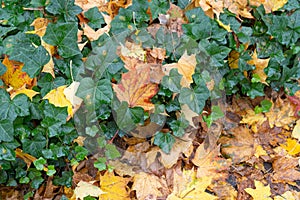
{"x":84,"y":189}
{"x":14,"y":76}
{"x":233,"y":59}
{"x":133,"y":50}
{"x":296,"y":130}
{"x":69,"y":93}
{"x":49,"y":67}
{"x":23,"y":90}
{"x":260,"y":192}
{"x":260,"y":65}
{"x":27,"y":158}
{"x":115,"y":187}
{"x":226,"y":27}
{"x":57,"y":98}
{"x":273,"y":5}
{"x":40,"y":26}
{"x":135,"y":88}
{"x":291,"y":146}
{"x":253,"y":119}
{"x":259,"y":151}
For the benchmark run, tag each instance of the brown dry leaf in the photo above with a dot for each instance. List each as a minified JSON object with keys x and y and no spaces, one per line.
{"x":211,"y":7}
{"x":88,"y":4}
{"x":273,"y":5}
{"x":285,"y":169}
{"x":40,"y":26}
{"x":14,"y":76}
{"x":281,"y":114}
{"x":240,"y":147}
{"x":27,"y":158}
{"x":132,"y":50}
{"x":149,"y":186}
{"x":186,"y":67}
{"x":94,"y":35}
{"x":57,"y":98}
{"x":23,"y":90}
{"x":188,"y":114}
{"x":260,"y":65}
{"x":296,"y":130}
{"x":84,"y":189}
{"x":188,"y":186}
{"x":121,"y":168}
{"x":260,"y":192}
{"x":292,"y":146}
{"x":288,"y":195}
{"x":254,"y":120}
{"x":114,"y":187}
{"x":135,"y":88}
{"x":209,"y":162}
{"x":233,"y":59}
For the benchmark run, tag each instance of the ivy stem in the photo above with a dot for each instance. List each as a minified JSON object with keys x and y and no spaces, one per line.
{"x":39,"y":9}
{"x":112,"y":139}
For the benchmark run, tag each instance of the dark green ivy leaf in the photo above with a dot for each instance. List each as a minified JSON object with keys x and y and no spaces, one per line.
{"x":34,"y":145}
{"x":95,"y":18}
{"x":158,"y":7}
{"x":165,"y":141}
{"x":66,"y":8}
{"x":63,"y":35}
{"x":6,"y":130}
{"x":172,"y":82}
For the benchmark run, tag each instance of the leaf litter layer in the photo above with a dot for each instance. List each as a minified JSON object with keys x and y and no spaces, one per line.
{"x":150,"y":100}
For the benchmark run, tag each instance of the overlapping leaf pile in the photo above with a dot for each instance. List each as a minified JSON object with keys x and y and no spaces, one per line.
{"x":150,"y":99}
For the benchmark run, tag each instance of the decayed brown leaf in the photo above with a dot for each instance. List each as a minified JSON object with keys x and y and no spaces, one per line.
{"x":27,"y":158}
{"x":285,"y":169}
{"x":240,"y":147}
{"x":149,"y":186}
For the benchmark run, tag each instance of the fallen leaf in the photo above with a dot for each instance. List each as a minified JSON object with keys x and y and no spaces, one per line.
{"x":40,"y":26}
{"x":273,"y":5}
{"x":186,"y":67}
{"x":233,"y":59}
{"x":254,"y":120}
{"x":147,"y":185}
{"x":84,"y":189}
{"x":57,"y":98}
{"x":122,"y":169}
{"x":285,"y":169}
{"x":114,"y":187}
{"x":260,"y":192}
{"x":288,"y":195}
{"x":226,"y":27}
{"x":296,"y":131}
{"x":135,"y":88}
{"x":209,"y":163}
{"x":188,"y":186}
{"x":259,"y":151}
{"x":23,"y":90}
{"x":14,"y":76}
{"x":188,"y":114}
{"x":260,"y":65}
{"x":240,"y":147}
{"x":292,"y":146}
{"x":94,"y":35}
{"x":27,"y":158}
{"x":133,"y":50}
{"x":69,"y":93}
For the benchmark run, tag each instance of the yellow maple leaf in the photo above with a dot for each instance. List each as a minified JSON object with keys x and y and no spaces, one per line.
{"x":259,"y":151}
{"x":291,"y":146}
{"x":14,"y":76}
{"x":23,"y":90}
{"x":84,"y":189}
{"x":115,"y":187}
{"x":260,"y":65}
{"x":49,"y":67}
{"x":57,"y":98}
{"x":260,"y":192}
{"x":253,"y":119}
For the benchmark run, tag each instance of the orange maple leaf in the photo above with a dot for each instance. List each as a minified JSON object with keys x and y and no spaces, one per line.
{"x":135,"y":88}
{"x":14,"y":76}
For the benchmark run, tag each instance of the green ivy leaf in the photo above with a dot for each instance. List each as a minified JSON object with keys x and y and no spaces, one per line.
{"x":34,"y":145}
{"x":172,"y":82}
{"x":64,"y":180}
{"x":100,"y":164}
{"x":178,"y":126}
{"x":81,"y":152}
{"x":51,"y":170}
{"x":47,"y":83}
{"x":39,"y":163}
{"x":95,"y":18}
{"x":58,"y":113}
{"x":158,"y":7}
{"x":65,"y":8}
{"x":165,"y":141}
{"x":194,"y":98}
{"x":111,"y":152}
{"x":6,"y":130}
{"x":63,"y":35}
{"x":265,"y":106}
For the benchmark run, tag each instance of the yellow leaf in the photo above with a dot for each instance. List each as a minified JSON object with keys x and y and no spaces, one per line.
{"x":133,"y":50}
{"x":260,"y":65}
{"x":14,"y":76}
{"x":27,"y":158}
{"x":85,"y":189}
{"x":296,"y":130}
{"x":147,"y":185}
{"x":226,"y":27}
{"x":57,"y":98}
{"x":259,"y":151}
{"x":273,"y":5}
{"x":233,"y":59}
{"x":49,"y":67}
{"x":253,"y":119}
{"x":291,"y":146}
{"x":40,"y":26}
{"x":260,"y":192}
{"x":69,"y":93}
{"x":23,"y":90}
{"x":288,"y":195}
{"x":115,"y":187}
